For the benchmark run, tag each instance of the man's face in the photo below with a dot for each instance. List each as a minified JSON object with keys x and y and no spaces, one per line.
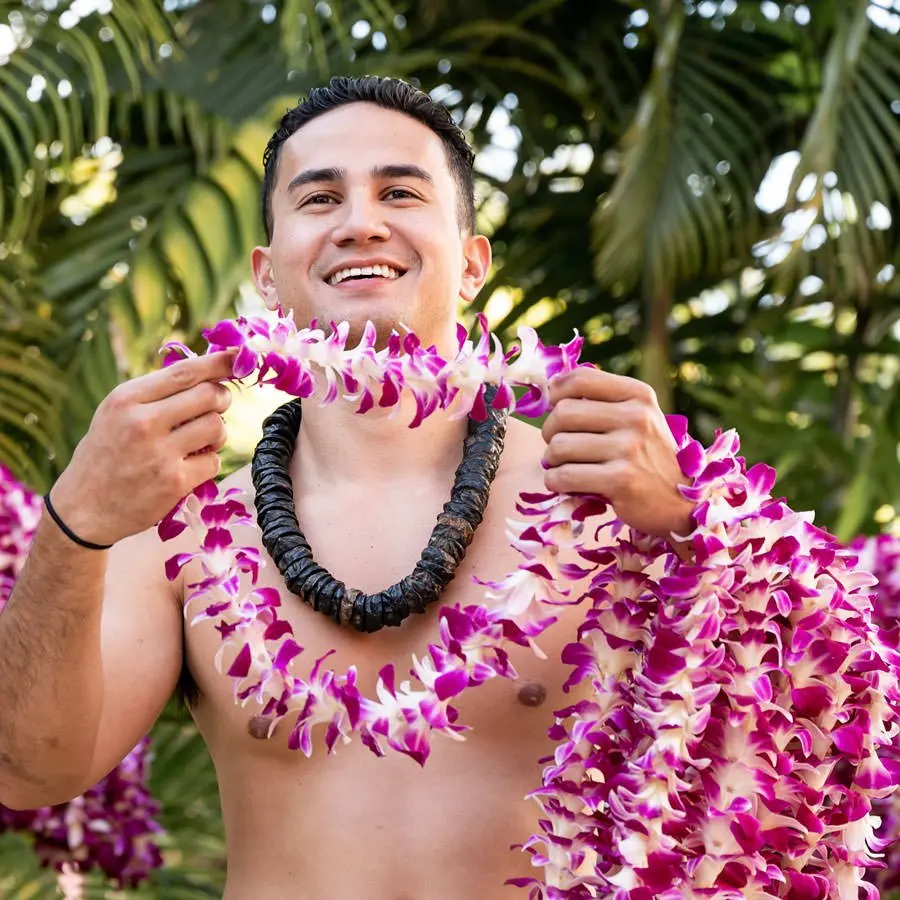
{"x":366,"y":227}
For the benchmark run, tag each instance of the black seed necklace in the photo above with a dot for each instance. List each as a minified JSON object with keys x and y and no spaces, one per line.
{"x":455,"y":528}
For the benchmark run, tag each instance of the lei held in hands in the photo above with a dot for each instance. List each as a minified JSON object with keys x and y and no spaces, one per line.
{"x":742,"y":701}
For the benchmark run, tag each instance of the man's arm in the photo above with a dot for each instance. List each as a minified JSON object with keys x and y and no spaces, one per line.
{"x":90,"y":653}
{"x":90,"y":640}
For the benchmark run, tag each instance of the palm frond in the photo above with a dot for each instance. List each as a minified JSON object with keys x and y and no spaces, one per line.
{"x":183,"y":779}
{"x":690,"y":162}
{"x":847,"y":167}
{"x":44,"y":85}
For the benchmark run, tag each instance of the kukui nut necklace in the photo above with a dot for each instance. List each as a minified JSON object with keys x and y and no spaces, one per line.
{"x":455,"y":528}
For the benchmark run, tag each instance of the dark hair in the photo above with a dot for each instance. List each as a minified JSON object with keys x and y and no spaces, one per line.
{"x":389,"y":93}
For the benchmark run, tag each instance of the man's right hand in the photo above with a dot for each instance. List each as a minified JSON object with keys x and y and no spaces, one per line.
{"x":151,"y":441}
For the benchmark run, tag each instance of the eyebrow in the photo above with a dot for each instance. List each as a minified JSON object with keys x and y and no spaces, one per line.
{"x":331,"y":174}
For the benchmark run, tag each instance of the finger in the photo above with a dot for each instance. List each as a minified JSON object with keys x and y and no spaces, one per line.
{"x":594,"y":384}
{"x":572,"y":447}
{"x":182,"y":375}
{"x":591,"y":416}
{"x":606,"y":479}
{"x":208,"y":396}
{"x":206,"y":431}
{"x":201,"y":467}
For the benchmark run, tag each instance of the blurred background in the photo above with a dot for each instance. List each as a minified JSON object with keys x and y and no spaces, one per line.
{"x":707,"y":190}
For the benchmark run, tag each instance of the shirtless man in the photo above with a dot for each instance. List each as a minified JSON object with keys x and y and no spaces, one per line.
{"x":363,"y":173}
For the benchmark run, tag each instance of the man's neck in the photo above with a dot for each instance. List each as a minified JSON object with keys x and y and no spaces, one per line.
{"x":337,"y":445}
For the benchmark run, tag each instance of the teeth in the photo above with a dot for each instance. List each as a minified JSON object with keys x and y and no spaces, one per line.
{"x":378,"y":271}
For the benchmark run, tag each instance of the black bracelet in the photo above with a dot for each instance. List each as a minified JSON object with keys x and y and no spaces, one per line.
{"x":90,"y":545}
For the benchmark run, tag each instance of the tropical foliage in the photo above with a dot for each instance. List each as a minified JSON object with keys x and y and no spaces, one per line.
{"x":706,"y":188}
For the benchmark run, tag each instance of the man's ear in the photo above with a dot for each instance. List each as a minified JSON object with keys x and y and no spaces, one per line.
{"x":264,"y":276}
{"x":477,"y":265}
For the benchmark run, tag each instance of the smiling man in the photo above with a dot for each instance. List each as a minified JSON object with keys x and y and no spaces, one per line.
{"x":369,"y":214}
{"x":415,"y":202}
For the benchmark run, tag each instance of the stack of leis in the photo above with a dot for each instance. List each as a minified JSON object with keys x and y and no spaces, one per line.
{"x":881,"y":556}
{"x":20,"y":510}
{"x":111,"y":826}
{"x":740,"y":699}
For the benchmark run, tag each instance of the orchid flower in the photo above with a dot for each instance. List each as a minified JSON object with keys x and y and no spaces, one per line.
{"x":301,"y":360}
{"x":20,"y":510}
{"x":881,"y":556}
{"x":743,"y":701}
{"x":110,"y":827}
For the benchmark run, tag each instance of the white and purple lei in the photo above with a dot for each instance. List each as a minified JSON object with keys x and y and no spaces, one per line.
{"x":880,"y":555}
{"x":743,"y":702}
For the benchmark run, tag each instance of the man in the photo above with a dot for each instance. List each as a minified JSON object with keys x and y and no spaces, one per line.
{"x":369,"y":214}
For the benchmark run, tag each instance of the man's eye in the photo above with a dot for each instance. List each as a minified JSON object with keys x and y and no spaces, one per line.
{"x":318,"y":199}
{"x":399,"y":194}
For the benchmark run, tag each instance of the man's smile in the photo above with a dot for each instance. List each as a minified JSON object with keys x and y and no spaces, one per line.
{"x":364,"y":273}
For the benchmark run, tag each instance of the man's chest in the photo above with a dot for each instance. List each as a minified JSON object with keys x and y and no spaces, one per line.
{"x":518,"y":707}
{"x":370,"y":540}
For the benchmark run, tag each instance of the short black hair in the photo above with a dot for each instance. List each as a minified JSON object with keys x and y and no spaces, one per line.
{"x":389,"y":93}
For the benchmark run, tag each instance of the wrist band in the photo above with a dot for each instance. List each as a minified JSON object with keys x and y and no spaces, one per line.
{"x":90,"y":545}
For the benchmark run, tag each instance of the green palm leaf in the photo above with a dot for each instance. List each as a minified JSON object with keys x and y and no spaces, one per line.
{"x":847,"y":164}
{"x":183,"y":779}
{"x":691,"y":159}
{"x":43,"y":91}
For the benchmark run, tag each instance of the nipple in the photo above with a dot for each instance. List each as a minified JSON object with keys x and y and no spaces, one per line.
{"x":532,"y":694}
{"x":258,"y":727}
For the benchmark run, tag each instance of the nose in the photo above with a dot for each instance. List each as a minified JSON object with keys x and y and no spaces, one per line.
{"x":362,"y":222}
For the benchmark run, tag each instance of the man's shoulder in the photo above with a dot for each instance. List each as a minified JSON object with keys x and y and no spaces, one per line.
{"x":240,"y":478}
{"x":524,"y":440}
{"x":522,"y":454}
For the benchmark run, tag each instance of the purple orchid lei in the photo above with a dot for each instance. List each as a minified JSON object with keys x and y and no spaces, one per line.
{"x":111,"y":826}
{"x":743,"y":701}
{"x":20,"y":510}
{"x":880,"y":555}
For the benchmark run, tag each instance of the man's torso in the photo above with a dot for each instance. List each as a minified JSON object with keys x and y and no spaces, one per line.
{"x":353,"y":825}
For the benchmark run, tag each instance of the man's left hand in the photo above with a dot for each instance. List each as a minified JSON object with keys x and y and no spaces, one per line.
{"x":607,"y":435}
